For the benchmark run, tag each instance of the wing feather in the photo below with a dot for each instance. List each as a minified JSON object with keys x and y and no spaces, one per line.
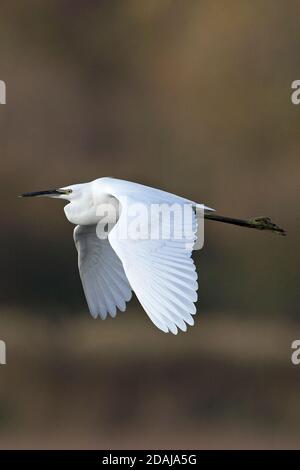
{"x":102,"y":274}
{"x":161,"y":272}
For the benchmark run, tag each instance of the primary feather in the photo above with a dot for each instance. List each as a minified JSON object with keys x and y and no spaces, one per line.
{"x":160,"y":272}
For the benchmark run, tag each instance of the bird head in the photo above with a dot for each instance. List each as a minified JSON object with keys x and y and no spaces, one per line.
{"x":80,"y":208}
{"x":62,"y":193}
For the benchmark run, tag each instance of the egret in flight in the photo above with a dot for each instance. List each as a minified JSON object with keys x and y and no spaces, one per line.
{"x":114,"y":261}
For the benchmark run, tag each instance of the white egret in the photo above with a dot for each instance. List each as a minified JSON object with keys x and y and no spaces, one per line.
{"x":158,"y":269}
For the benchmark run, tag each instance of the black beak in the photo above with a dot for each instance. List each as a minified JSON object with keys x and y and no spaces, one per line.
{"x":49,"y":192}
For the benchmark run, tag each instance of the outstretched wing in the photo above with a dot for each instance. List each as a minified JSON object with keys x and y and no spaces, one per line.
{"x":160,"y":271}
{"x":102,"y":274}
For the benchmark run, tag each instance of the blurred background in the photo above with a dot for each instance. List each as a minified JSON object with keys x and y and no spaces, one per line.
{"x":194,"y":98}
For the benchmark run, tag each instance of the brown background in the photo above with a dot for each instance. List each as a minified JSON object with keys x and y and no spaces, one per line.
{"x":192,"y":97}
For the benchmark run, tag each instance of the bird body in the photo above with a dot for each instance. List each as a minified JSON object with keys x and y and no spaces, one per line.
{"x":132,"y":237}
{"x":86,"y":198}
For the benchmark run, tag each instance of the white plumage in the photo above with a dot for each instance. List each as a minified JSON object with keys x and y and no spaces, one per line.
{"x":160,"y":271}
{"x":102,"y":274}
